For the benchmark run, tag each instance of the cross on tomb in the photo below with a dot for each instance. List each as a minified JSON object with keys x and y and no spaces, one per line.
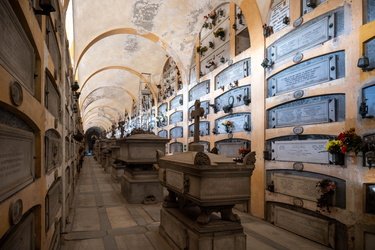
{"x":195,"y":114}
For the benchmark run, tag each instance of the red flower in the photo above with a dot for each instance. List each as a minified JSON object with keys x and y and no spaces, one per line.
{"x":343,"y":149}
{"x":205,"y":17}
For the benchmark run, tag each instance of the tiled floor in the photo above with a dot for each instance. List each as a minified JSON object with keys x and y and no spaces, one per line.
{"x":101,"y":218}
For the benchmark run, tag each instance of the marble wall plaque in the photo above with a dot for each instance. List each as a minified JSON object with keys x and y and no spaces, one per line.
{"x":313,"y":228}
{"x":53,"y":150}
{"x":301,"y":151}
{"x":238,"y":119}
{"x":176,"y":117}
{"x":176,"y":102}
{"x":53,"y":202}
{"x":311,"y":113}
{"x":163,"y":108}
{"x":239,"y":95}
{"x":218,"y":57}
{"x":205,"y":105}
{"x":16,"y":52}
{"x":22,"y":236}
{"x":230,"y":148}
{"x":199,"y":90}
{"x":53,"y":45}
{"x":296,"y":186}
{"x":52,"y":98}
{"x":163,"y":133}
{"x":307,"y":74}
{"x":176,"y":132}
{"x":204,"y":129}
{"x":312,"y":110}
{"x":16,"y":160}
{"x":176,"y":147}
{"x":303,"y":38}
{"x":279,"y":10}
{"x":233,"y":73}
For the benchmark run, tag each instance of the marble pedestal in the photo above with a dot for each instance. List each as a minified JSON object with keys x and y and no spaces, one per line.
{"x":180,"y":229}
{"x":136,"y":186}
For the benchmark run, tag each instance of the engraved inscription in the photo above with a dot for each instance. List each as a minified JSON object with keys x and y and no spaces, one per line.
{"x":199,"y":90}
{"x":176,"y":117}
{"x":176,"y":132}
{"x":239,"y":120}
{"x":241,"y":96}
{"x":296,"y":186}
{"x":16,"y":52}
{"x":301,"y":151}
{"x":308,"y":226}
{"x":233,"y":73}
{"x":311,"y":113}
{"x":304,"y":38}
{"x":16,"y":160}
{"x":311,"y":74}
{"x":279,"y":10}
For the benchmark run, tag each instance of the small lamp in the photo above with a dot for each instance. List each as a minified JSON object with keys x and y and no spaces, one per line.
{"x":47,"y":7}
{"x":363,"y":63}
{"x":75,"y":86}
{"x":311,"y":3}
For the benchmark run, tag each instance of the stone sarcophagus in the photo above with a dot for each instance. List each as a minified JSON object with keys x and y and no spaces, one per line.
{"x":136,"y":156}
{"x":213,"y":182}
{"x":199,"y":184}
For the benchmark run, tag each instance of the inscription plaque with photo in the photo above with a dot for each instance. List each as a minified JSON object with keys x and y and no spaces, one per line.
{"x":279,"y":10}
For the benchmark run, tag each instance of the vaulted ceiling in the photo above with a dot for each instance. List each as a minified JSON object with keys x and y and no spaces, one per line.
{"x":117,"y":40}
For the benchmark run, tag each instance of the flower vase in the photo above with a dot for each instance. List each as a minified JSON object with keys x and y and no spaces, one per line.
{"x":338,"y":159}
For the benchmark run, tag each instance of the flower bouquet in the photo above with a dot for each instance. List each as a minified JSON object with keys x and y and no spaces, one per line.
{"x":350,"y":141}
{"x":244,"y":151}
{"x":228,"y":125}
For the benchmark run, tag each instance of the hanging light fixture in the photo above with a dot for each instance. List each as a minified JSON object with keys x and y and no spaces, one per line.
{"x":46,"y":6}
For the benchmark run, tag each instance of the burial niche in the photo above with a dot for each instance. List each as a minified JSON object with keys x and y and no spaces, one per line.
{"x":17,"y":141}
